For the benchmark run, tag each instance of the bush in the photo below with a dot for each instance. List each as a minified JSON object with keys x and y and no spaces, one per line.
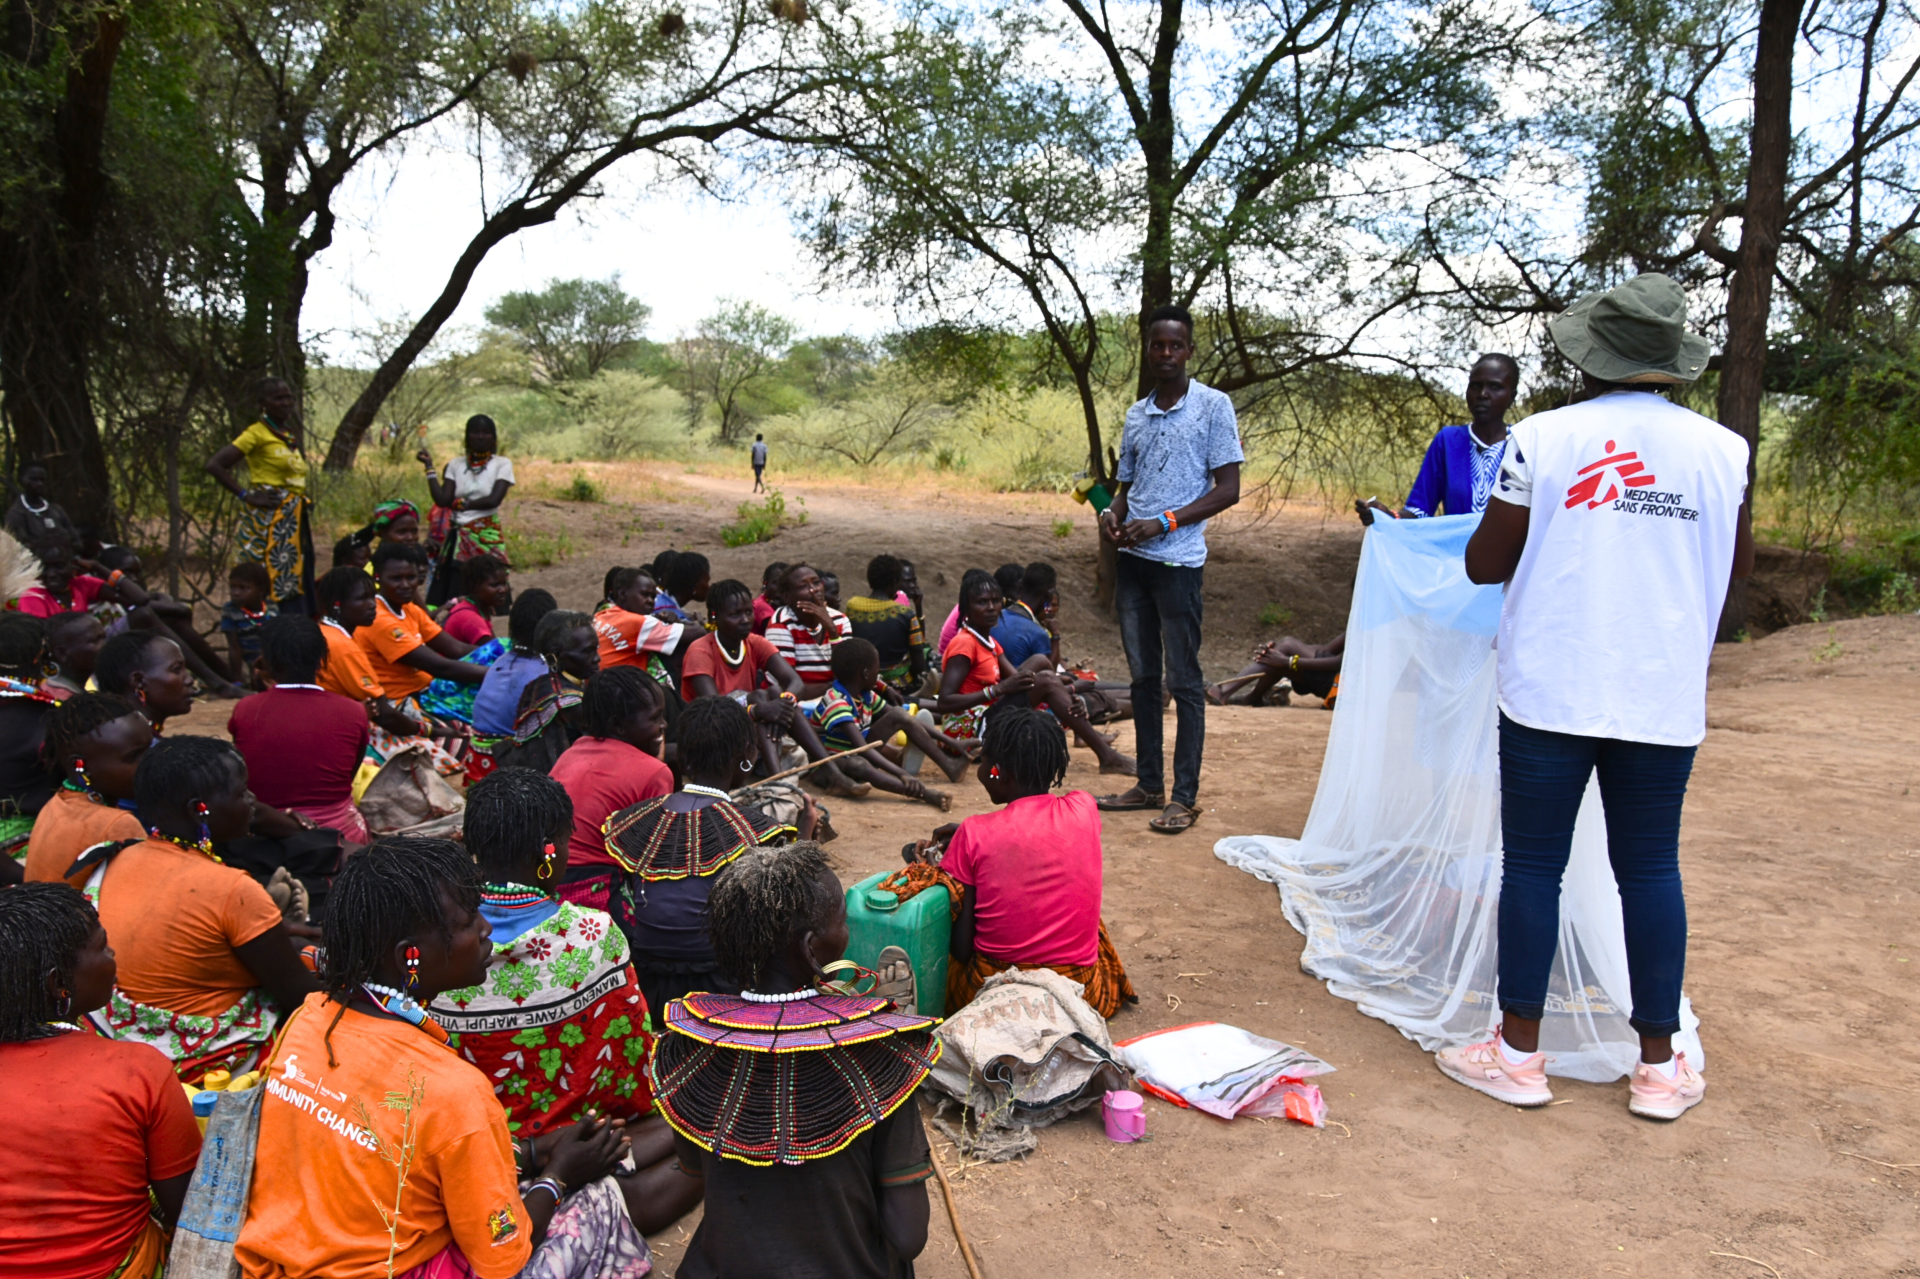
{"x":582,"y":489}
{"x":1274,"y":615}
{"x":1063,"y":528}
{"x":759,"y":522}
{"x":537,"y":550}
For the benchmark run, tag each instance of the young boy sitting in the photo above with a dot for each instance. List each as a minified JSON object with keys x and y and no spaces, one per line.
{"x":852,"y":706}
{"x":815,"y":1162}
{"x":73,"y":641}
{"x":241,"y":617}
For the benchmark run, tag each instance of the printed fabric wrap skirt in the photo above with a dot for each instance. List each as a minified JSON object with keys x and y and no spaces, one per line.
{"x":281,"y":538}
{"x":590,"y":1237}
{"x":1104,"y":983}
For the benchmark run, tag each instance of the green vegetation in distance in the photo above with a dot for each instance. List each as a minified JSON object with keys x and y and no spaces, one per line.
{"x":760,"y":521}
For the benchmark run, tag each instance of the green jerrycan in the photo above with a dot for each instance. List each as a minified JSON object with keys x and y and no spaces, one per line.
{"x":920,"y":925}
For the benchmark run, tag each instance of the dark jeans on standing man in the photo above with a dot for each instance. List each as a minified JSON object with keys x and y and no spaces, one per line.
{"x":1543,"y":776}
{"x":1159,"y":606}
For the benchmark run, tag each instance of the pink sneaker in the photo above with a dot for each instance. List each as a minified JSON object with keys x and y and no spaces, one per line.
{"x":1654,"y":1096}
{"x":1482,"y":1068}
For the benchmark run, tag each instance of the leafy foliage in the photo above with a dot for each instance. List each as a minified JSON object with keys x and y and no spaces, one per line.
{"x":572,"y":329}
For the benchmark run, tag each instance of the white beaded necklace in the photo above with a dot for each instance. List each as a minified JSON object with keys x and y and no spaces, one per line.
{"x":694,"y":788}
{"x":753,"y":998}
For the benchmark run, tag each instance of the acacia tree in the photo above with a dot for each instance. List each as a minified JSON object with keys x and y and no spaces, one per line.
{"x":1252,"y":160}
{"x":731,"y":358}
{"x":572,"y":328}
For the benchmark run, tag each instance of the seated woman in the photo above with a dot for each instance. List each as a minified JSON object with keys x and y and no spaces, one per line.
{"x":346,"y":599}
{"x":302,"y":744}
{"x":73,"y":642}
{"x":614,"y":764}
{"x":204,"y":956}
{"x":394,"y":523}
{"x":975,"y":673}
{"x":25,"y":784}
{"x":631,"y":635}
{"x":498,"y":698}
{"x":673,"y":846}
{"x":559,"y":1025}
{"x":486,"y":585}
{"x":1313,"y":669}
{"x":101,"y":1142}
{"x":93,"y":745}
{"x":389,"y":1154}
{"x":1030,"y":873}
{"x":806,"y":628}
{"x":549,"y":717}
{"x":893,"y":628}
{"x":852,"y":707}
{"x":148,"y":670}
{"x":405,"y":648}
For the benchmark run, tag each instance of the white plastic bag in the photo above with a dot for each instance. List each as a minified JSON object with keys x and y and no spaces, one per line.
{"x":1395,"y":881}
{"x":1227,"y":1071}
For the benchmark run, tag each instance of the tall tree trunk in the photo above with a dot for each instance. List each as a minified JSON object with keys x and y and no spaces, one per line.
{"x":1156,"y":141}
{"x":1750,"y":295}
{"x":48,"y":277}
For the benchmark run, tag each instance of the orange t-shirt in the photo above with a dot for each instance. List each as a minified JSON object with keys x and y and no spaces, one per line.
{"x":68,"y":826}
{"x":316,"y":1208}
{"x":390,"y":637}
{"x":173,"y":917}
{"x":628,"y":639}
{"x":346,"y":670}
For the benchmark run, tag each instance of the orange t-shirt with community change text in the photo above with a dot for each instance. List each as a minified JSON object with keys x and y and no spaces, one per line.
{"x":173,"y":917}
{"x":316,"y":1208}
{"x":390,"y":637}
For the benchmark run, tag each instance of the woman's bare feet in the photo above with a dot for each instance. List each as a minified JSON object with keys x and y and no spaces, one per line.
{"x":829,"y":778}
{"x":927,"y":795}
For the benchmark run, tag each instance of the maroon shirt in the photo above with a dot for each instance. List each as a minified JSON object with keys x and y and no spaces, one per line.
{"x":603,"y":776}
{"x":302,"y":745}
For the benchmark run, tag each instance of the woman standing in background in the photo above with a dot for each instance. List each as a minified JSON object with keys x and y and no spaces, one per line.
{"x":274,"y":527}
{"x":466,"y":504}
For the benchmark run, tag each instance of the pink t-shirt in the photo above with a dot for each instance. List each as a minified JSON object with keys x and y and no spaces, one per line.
{"x":603,"y":776}
{"x":949,"y":630}
{"x":84,"y":589}
{"x":464,"y":623}
{"x":1034,"y":868}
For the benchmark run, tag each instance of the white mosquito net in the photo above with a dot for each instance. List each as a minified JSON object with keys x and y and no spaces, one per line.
{"x":1395,"y":882}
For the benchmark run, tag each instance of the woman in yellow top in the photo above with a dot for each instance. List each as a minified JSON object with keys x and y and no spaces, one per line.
{"x":274,"y":529}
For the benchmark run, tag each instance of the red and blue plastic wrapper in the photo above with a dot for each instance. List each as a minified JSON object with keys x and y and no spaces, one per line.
{"x":1227,"y":1071}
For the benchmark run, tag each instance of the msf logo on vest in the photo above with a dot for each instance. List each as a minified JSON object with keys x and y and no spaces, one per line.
{"x":1611,"y":478}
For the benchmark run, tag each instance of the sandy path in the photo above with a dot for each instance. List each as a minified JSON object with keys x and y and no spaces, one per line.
{"x":1801,"y":859}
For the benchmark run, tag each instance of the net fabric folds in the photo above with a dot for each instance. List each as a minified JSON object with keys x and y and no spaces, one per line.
{"x":786,"y":1082}
{"x":1395,"y":880}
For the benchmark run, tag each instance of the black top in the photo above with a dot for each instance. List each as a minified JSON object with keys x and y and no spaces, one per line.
{"x":816,"y":1220}
{"x":29,"y":527}
{"x":24,"y":785}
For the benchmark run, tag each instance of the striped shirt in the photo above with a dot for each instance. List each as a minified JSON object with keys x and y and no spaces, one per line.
{"x":838,"y":708}
{"x":809,"y":652}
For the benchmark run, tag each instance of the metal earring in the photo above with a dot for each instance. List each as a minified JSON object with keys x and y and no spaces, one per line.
{"x":65,"y":1012}
{"x":746,"y":766}
{"x":413,"y":970}
{"x":546,"y":864}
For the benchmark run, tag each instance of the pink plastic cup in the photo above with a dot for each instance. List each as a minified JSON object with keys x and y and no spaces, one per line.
{"x":1125,"y":1116}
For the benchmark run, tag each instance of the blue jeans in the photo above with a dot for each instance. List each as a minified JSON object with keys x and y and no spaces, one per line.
{"x":1159,"y":606}
{"x":1543,"y":776}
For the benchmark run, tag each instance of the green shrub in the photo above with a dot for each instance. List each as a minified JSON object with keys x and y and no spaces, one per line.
{"x":1063,"y":528}
{"x":1274,"y":615}
{"x":759,"y":522}
{"x":537,"y":550}
{"x":582,"y":489}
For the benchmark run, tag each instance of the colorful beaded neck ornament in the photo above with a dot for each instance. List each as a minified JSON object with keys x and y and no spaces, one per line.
{"x":655,"y":843}
{"x":789,"y":1081}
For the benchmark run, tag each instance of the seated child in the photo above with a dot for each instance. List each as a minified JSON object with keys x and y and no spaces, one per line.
{"x":73,"y":641}
{"x":629,"y":633}
{"x":815,"y":1169}
{"x":403,"y":925}
{"x":806,"y":628}
{"x":94,"y":742}
{"x":891,"y":627}
{"x":614,"y":764}
{"x":1031,"y":872}
{"x":852,"y":706}
{"x":683,"y":577}
{"x":673,"y":846}
{"x":302,"y":744}
{"x":559,"y":1026}
{"x":1313,"y":669}
{"x":486,"y":585}
{"x":767,"y":602}
{"x":101,"y":1142}
{"x":499,"y":697}
{"x":241,"y":617}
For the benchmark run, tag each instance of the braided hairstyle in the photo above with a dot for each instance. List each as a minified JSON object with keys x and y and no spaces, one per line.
{"x":970,"y":583}
{"x":43,"y":929}
{"x":684,"y":574}
{"x":398,"y":887}
{"x":177,"y":769}
{"x":615,"y":696}
{"x":554,"y":628}
{"x":726,"y":593}
{"x":511,"y":814}
{"x":23,"y":644}
{"x":714,"y":734}
{"x":1026,"y":744}
{"x":340,"y":583}
{"x":121,"y":656}
{"x":480,"y":570}
{"x":524,"y":618}
{"x":293,"y":648}
{"x":75,"y":720}
{"x":762,"y":901}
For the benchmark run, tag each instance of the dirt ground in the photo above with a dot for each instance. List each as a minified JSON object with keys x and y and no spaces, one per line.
{"x":1801,"y":855}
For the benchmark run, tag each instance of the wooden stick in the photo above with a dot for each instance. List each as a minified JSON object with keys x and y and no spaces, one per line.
{"x":815,"y":763}
{"x":953,"y":1215}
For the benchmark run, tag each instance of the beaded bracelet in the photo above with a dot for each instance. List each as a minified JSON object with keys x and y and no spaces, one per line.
{"x":551,"y":1185}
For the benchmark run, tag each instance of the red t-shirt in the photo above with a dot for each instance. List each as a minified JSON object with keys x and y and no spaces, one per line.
{"x":763,"y":611}
{"x":302,"y":745}
{"x":1034,"y":868}
{"x":464,"y":622}
{"x":704,"y":657}
{"x":603,"y":776}
{"x":37,"y":602}
{"x":90,"y":1124}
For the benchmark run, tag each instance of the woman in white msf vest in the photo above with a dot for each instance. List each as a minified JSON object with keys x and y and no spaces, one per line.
{"x":1617,"y":524}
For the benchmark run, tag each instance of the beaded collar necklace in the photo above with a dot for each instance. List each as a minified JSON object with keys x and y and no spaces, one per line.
{"x":792,"y":997}
{"x":513,"y":896}
{"x":336,"y":625}
{"x":203,"y":845}
{"x":45,"y":502}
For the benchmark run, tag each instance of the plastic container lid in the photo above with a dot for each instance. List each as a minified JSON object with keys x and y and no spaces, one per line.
{"x":203,"y":1104}
{"x":882,"y":899}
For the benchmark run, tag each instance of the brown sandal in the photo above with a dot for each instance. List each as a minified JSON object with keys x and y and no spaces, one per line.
{"x":1176,"y":818}
{"x":1133,"y":800}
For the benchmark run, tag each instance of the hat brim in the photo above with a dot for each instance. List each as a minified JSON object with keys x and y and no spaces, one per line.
{"x":1573,"y":334}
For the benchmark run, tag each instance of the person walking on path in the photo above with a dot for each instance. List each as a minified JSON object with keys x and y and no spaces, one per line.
{"x":759,"y":463}
{"x":1179,"y":465}
{"x":1617,"y":525}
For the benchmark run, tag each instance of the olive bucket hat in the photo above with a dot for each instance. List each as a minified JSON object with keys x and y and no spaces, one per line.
{"x":1635,"y":333}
